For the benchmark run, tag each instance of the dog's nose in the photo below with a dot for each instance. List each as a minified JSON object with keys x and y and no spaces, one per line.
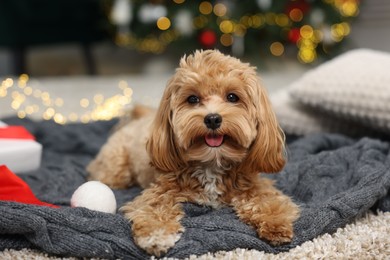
{"x":213,"y":121}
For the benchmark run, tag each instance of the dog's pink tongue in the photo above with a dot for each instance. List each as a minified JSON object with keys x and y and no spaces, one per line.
{"x":214,"y":140}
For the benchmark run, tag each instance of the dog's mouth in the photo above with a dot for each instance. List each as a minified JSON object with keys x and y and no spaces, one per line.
{"x":214,"y":140}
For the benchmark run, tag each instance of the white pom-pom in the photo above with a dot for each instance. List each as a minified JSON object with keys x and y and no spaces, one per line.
{"x":94,"y":195}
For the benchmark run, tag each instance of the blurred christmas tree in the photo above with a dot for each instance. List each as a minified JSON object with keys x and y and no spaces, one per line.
{"x":306,"y":28}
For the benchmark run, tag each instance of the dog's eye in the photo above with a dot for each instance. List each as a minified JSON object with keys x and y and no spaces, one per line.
{"x":193,"y":99}
{"x":232,"y":98}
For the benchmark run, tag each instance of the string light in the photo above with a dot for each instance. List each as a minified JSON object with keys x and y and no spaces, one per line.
{"x":291,"y":25}
{"x":163,"y":23}
{"x":282,"y":20}
{"x":277,"y":49}
{"x":205,"y":8}
{"x":226,"y":26}
{"x":226,"y":39}
{"x":306,"y":32}
{"x":339,"y":31}
{"x":347,"y":8}
{"x":220,"y":9}
{"x":200,"y":22}
{"x":42,"y":104}
{"x":296,"y":15}
{"x":257,"y":20}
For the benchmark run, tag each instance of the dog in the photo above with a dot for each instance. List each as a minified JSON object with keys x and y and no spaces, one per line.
{"x":212,"y":134}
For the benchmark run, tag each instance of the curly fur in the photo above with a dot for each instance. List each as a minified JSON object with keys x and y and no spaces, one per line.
{"x":179,"y":166}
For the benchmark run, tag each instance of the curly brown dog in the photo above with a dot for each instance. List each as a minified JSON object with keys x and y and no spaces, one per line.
{"x":211,"y":136}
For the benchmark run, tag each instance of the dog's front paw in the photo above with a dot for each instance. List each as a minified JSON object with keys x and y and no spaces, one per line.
{"x":276,"y":234}
{"x":157,"y":242}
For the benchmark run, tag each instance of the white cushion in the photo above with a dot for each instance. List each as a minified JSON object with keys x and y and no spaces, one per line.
{"x":353,"y":86}
{"x":298,"y":119}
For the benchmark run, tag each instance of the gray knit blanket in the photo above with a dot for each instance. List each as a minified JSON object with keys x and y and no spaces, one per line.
{"x":333,"y":178}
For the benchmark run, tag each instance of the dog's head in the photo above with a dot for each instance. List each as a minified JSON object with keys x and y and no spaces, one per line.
{"x":214,"y":111}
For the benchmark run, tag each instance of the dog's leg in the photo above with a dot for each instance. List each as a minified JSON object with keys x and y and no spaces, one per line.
{"x":268,"y":210}
{"x":155,"y":216}
{"x":112,"y":165}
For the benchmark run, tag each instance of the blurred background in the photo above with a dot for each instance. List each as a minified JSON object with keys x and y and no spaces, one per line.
{"x":82,"y":60}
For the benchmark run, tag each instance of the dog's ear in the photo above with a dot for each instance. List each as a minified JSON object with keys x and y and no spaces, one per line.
{"x":267,"y":152}
{"x":161,"y":145}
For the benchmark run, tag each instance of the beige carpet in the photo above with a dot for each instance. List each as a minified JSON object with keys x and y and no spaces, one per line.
{"x":367,"y":238}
